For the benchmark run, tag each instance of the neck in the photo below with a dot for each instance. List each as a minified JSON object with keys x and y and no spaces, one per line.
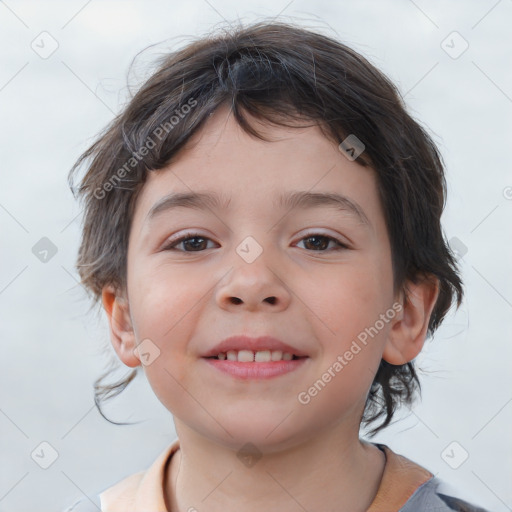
{"x":331,"y":471}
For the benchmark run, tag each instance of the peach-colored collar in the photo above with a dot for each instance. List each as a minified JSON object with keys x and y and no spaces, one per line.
{"x":144,"y":491}
{"x":400,"y":479}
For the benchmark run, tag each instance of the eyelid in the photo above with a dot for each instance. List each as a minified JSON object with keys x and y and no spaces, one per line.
{"x":175,"y":240}
{"x":344,"y":241}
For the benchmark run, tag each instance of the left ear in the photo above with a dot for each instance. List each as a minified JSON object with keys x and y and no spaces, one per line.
{"x":409,"y":329}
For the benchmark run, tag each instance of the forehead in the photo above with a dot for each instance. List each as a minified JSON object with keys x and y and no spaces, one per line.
{"x":228,"y":169}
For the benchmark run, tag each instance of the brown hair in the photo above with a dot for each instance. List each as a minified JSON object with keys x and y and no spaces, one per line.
{"x":276,"y":72}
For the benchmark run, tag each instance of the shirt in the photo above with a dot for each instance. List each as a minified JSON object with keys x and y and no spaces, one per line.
{"x":405,"y":487}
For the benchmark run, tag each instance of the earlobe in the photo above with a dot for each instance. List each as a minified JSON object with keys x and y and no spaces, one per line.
{"x":122,"y":335}
{"x":409,"y":329}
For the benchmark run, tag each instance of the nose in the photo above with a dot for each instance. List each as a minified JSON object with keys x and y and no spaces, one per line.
{"x":253,"y":286}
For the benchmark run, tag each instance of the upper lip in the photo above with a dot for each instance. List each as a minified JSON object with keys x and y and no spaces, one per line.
{"x":241,"y":342}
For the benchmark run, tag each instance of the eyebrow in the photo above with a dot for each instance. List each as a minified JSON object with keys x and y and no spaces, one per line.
{"x":288,"y":201}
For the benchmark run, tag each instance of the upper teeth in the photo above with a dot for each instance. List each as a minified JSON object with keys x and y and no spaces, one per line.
{"x":259,"y":356}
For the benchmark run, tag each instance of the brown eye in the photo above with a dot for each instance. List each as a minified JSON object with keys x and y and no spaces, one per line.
{"x":317,"y":242}
{"x":191,"y":242}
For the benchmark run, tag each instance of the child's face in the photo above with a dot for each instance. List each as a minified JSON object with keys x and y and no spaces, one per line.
{"x":301,"y":290}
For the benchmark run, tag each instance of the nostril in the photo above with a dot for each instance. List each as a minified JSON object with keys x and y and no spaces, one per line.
{"x":272,"y":300}
{"x":235,"y":300}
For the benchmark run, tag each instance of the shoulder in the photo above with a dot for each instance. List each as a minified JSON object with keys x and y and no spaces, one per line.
{"x":144,"y":485}
{"x":429,"y":497}
{"x":408,"y":487}
{"x":122,"y":490}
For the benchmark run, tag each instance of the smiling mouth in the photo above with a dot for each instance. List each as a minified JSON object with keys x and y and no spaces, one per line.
{"x":259,"y":356}
{"x":256,"y":365}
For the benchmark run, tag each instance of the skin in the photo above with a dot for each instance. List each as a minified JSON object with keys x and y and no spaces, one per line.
{"x":311,"y":454}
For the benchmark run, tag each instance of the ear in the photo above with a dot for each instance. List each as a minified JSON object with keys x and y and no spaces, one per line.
{"x":409,"y":329}
{"x":122,"y":335}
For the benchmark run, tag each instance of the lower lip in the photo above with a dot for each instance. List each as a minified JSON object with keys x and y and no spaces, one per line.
{"x":256,"y":370}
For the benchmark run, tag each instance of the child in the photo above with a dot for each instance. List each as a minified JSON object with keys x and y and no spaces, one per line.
{"x":262,"y":228}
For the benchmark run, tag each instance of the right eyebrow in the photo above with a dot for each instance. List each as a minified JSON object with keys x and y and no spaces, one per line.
{"x":196,"y":200}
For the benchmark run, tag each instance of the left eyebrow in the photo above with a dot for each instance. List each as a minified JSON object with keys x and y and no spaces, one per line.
{"x":288,"y":201}
{"x":307,"y":200}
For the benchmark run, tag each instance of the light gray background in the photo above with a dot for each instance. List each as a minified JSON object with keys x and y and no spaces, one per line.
{"x":51,"y":109}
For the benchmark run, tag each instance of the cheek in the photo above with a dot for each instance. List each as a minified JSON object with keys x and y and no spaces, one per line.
{"x":349,"y":306}
{"x":162,"y":318}
{"x":163,"y":301}
{"x":348,"y":299}
{"x":164,"y":306}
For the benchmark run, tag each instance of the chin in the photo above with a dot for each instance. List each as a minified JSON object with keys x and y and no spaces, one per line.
{"x":267,"y":432}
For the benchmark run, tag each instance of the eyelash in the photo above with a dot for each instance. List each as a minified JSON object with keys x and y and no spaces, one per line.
{"x":191,"y":235}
